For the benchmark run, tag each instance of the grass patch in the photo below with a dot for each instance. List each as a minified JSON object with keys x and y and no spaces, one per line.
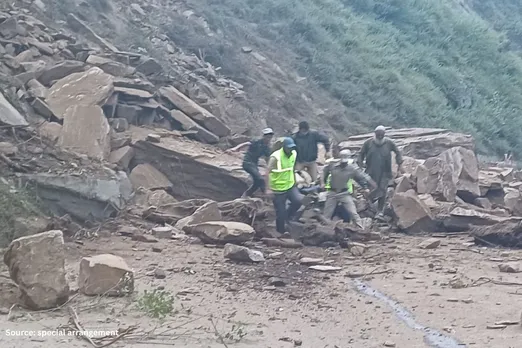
{"x":156,"y":304}
{"x":417,"y":63}
{"x":14,"y":203}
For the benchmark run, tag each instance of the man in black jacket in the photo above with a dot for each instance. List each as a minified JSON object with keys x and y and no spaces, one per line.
{"x":306,"y":142}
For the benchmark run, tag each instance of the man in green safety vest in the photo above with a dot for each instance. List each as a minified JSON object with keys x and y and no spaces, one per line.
{"x":280,"y":180}
{"x":338,"y":180}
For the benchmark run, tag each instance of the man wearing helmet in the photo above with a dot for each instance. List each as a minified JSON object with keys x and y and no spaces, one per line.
{"x":337,"y":178}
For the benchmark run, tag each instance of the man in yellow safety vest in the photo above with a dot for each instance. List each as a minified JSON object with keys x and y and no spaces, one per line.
{"x":280,"y":180}
{"x":338,"y":177}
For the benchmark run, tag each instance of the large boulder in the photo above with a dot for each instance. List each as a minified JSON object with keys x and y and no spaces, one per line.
{"x":413,"y":215}
{"x":506,"y":234}
{"x":92,"y":87}
{"x":419,"y":143}
{"x":54,"y":72}
{"x":242,"y":210}
{"x":194,"y":169}
{"x":207,"y":212}
{"x":105,"y":274}
{"x":148,"y":177}
{"x":489,"y":180}
{"x":194,"y":111}
{"x":513,"y":201}
{"x":455,"y":171}
{"x":157,"y":198}
{"x":9,"y":116}
{"x":221,"y":232}
{"x":462,"y":219}
{"x":84,"y":197}
{"x":186,"y":123}
{"x":86,"y":130}
{"x":37,"y":265}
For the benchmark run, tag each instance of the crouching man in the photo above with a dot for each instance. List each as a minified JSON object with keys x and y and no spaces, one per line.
{"x":338,"y":176}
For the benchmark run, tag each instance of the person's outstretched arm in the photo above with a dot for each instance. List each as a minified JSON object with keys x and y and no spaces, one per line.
{"x":240,"y":146}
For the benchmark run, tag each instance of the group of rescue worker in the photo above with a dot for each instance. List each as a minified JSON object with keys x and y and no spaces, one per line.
{"x":299,"y":152}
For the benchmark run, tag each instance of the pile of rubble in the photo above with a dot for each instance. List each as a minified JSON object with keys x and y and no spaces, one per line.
{"x":86,"y":96}
{"x":443,"y":188}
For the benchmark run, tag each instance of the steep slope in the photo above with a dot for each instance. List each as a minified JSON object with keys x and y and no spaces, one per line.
{"x":413,"y":62}
{"x":343,"y":65}
{"x":275,"y":95}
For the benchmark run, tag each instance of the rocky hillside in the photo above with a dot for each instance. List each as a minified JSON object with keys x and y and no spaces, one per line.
{"x":344,"y":66}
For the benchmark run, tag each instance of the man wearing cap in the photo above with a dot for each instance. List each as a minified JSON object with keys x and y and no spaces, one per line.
{"x":306,"y":142}
{"x":280,"y":179}
{"x":376,"y":156}
{"x":256,"y":149}
{"x":338,"y":176}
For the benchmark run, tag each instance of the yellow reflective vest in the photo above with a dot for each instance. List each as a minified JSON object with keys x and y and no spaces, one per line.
{"x":349,"y":185}
{"x":282,"y":178}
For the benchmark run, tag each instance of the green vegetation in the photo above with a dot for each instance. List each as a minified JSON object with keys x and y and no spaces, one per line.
{"x":157,"y":304}
{"x":235,"y":335}
{"x":421,"y":63}
{"x":15,"y":203}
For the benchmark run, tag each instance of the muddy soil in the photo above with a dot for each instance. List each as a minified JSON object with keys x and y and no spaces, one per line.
{"x":446,"y":297}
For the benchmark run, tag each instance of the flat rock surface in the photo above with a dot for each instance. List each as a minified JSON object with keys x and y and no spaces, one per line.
{"x":420,"y":143}
{"x":9,"y":115}
{"x":196,"y":170}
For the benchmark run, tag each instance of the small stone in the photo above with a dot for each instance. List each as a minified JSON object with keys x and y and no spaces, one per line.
{"x":276,"y":282}
{"x":233,"y":288}
{"x":309,"y":261}
{"x":4,"y":311}
{"x":496,"y":327}
{"x":298,"y":343}
{"x":408,"y":277}
{"x":511,"y":267}
{"x":275,"y":255}
{"x":8,"y":149}
{"x":453,"y":300}
{"x":159,"y":273}
{"x":128,"y":231}
{"x":357,"y":250}
{"x":157,"y":249}
{"x":322,"y":268}
{"x":246,"y":49}
{"x":144,"y":238}
{"x":431,"y":243}
{"x":467,"y":300}
{"x":162,"y":232}
{"x":242,"y":254}
{"x":507,"y":322}
{"x":154,"y":138}
{"x":389,"y":344}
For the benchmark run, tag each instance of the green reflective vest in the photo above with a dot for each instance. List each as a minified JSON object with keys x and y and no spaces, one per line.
{"x":283,"y":178}
{"x":349,"y":185}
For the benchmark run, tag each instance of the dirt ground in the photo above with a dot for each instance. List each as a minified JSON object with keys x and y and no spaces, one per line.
{"x":455,"y":290}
